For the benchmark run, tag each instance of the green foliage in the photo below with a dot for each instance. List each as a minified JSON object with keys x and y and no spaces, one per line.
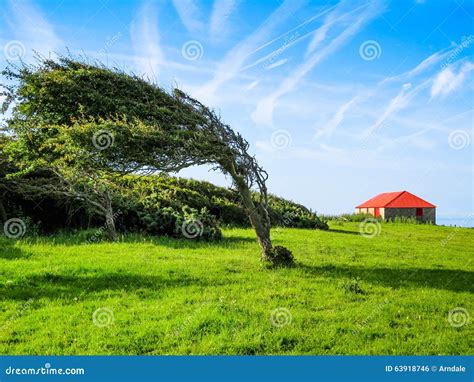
{"x":61,"y":107}
{"x":65,"y":90}
{"x":284,"y":213}
{"x":147,"y":203}
{"x":154,"y":192}
{"x":359,"y":217}
{"x":194,"y":224}
{"x":153,"y":204}
{"x":188,"y":223}
{"x":279,"y":257}
{"x":356,"y":217}
{"x":406,"y":220}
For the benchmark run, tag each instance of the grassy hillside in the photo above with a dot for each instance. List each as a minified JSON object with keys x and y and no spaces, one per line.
{"x":389,"y":294}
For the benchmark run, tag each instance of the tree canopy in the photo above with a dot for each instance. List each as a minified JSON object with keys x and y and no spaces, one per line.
{"x":66,"y":114}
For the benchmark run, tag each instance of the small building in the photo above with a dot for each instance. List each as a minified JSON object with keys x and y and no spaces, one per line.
{"x":399,"y":204}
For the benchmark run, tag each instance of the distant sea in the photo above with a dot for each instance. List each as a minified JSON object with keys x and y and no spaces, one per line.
{"x":458,"y":221}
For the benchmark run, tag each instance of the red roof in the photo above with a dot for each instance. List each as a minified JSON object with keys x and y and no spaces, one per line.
{"x":400,"y":199}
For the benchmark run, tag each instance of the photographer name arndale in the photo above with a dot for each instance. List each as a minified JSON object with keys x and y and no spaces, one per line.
{"x":455,"y":369}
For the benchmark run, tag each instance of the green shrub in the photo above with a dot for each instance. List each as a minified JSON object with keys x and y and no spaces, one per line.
{"x":404,"y":219}
{"x":92,"y":235}
{"x":159,"y":221}
{"x":153,"y":204}
{"x":356,"y":217}
{"x":279,"y":257}
{"x":187,"y":223}
{"x":197,"y":225}
{"x":160,"y":191}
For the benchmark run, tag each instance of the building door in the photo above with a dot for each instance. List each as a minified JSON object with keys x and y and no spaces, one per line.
{"x":376,"y":212}
{"x":419,"y":212}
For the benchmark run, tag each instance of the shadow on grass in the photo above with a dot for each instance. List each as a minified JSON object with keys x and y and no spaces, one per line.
{"x":9,"y":251}
{"x":447,"y":279}
{"x":55,"y":286}
{"x":343,"y":231}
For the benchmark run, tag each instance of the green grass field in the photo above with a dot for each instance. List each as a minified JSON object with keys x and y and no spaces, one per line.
{"x":390,"y":294}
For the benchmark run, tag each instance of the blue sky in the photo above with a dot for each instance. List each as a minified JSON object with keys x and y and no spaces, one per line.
{"x":339,"y":100}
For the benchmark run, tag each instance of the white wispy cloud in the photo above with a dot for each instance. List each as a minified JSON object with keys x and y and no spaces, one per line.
{"x":221,"y":11}
{"x":416,"y":139}
{"x":400,"y":101}
{"x":190,"y":15}
{"x":145,"y":38}
{"x":396,"y":103}
{"x":232,"y":63}
{"x":252,"y":85}
{"x":448,"y":80}
{"x":32,"y":28}
{"x":296,"y":29}
{"x":276,"y":64}
{"x":332,"y":18}
{"x":422,"y":67}
{"x":292,"y":37}
{"x":264,"y":110}
{"x":336,"y":119}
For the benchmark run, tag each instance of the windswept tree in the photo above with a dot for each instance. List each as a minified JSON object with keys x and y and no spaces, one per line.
{"x":52,"y":165}
{"x":151,"y":129}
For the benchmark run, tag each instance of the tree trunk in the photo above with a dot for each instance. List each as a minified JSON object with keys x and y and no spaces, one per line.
{"x":3,"y":214}
{"x":259,"y":219}
{"x":110,"y":218}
